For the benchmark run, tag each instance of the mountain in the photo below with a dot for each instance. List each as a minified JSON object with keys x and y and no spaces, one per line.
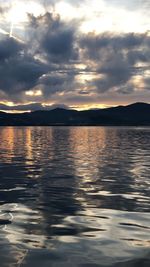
{"x":137,"y":114}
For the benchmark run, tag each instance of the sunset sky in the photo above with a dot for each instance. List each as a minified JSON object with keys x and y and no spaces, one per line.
{"x":81,"y":54}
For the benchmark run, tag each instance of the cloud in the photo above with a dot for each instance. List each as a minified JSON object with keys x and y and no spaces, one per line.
{"x":95,"y":44}
{"x":65,"y":64}
{"x":1,"y":10}
{"x":9,"y":47}
{"x":31,"y":107}
{"x":4,"y":7}
{"x":55,"y":39}
{"x":47,"y":3}
{"x":58,"y":83}
{"x":116,"y":58}
{"x":20,"y":73}
{"x":49,"y":50}
{"x":127,"y":4}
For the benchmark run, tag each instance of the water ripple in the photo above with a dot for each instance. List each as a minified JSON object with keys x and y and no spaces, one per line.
{"x":74,"y":196}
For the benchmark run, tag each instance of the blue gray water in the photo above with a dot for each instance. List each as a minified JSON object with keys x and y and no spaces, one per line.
{"x":74,"y":196}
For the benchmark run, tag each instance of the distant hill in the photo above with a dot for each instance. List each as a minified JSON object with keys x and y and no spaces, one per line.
{"x":136,"y":114}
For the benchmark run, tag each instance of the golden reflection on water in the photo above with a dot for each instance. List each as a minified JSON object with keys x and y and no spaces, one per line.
{"x":7,"y":136}
{"x":87,"y":146}
{"x":91,"y":149}
{"x":84,"y":147}
{"x":88,"y":166}
{"x":88,"y":151}
{"x":24,"y":144}
{"x":29,"y":145}
{"x":15,"y":142}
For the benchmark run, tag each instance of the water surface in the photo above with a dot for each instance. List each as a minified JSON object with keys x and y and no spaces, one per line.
{"x":74,"y":196}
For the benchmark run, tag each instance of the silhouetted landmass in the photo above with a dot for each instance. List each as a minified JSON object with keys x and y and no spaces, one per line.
{"x":136,"y":114}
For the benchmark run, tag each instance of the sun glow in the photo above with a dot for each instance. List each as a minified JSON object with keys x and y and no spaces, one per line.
{"x":18,"y":14}
{"x":120,"y":21}
{"x":100,"y":17}
{"x":67,"y":11}
{"x":90,"y":106}
{"x":3,"y":31}
{"x":19,"y":11}
{"x":8,"y":103}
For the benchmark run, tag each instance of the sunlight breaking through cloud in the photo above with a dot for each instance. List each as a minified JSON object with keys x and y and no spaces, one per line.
{"x":89,"y":53}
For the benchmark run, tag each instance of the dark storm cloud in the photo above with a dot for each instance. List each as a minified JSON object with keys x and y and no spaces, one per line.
{"x":57,"y":82}
{"x":94,"y":45}
{"x":56,"y":43}
{"x":20,"y":73}
{"x":9,"y":47}
{"x":55,"y":38}
{"x":51,"y":57}
{"x":114,"y":57}
{"x":59,"y":45}
{"x":50,"y":47}
{"x":116,"y":70}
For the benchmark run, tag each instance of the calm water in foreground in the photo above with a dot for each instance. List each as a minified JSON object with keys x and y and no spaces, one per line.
{"x":75,"y":196}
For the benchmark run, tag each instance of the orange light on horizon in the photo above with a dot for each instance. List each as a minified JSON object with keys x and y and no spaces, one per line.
{"x":90,"y":106}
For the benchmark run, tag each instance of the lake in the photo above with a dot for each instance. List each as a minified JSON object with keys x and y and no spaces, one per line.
{"x":74,"y":196}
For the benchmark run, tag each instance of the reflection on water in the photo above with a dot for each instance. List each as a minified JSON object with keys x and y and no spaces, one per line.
{"x":72,"y":196}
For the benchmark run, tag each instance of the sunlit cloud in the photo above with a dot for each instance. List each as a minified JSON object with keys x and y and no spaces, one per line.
{"x":82,"y":54}
{"x":34,"y":93}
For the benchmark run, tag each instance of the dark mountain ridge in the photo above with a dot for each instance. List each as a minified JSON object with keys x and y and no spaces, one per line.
{"x":136,"y":114}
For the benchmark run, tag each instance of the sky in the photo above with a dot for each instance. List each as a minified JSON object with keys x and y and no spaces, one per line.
{"x":70,"y":53}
